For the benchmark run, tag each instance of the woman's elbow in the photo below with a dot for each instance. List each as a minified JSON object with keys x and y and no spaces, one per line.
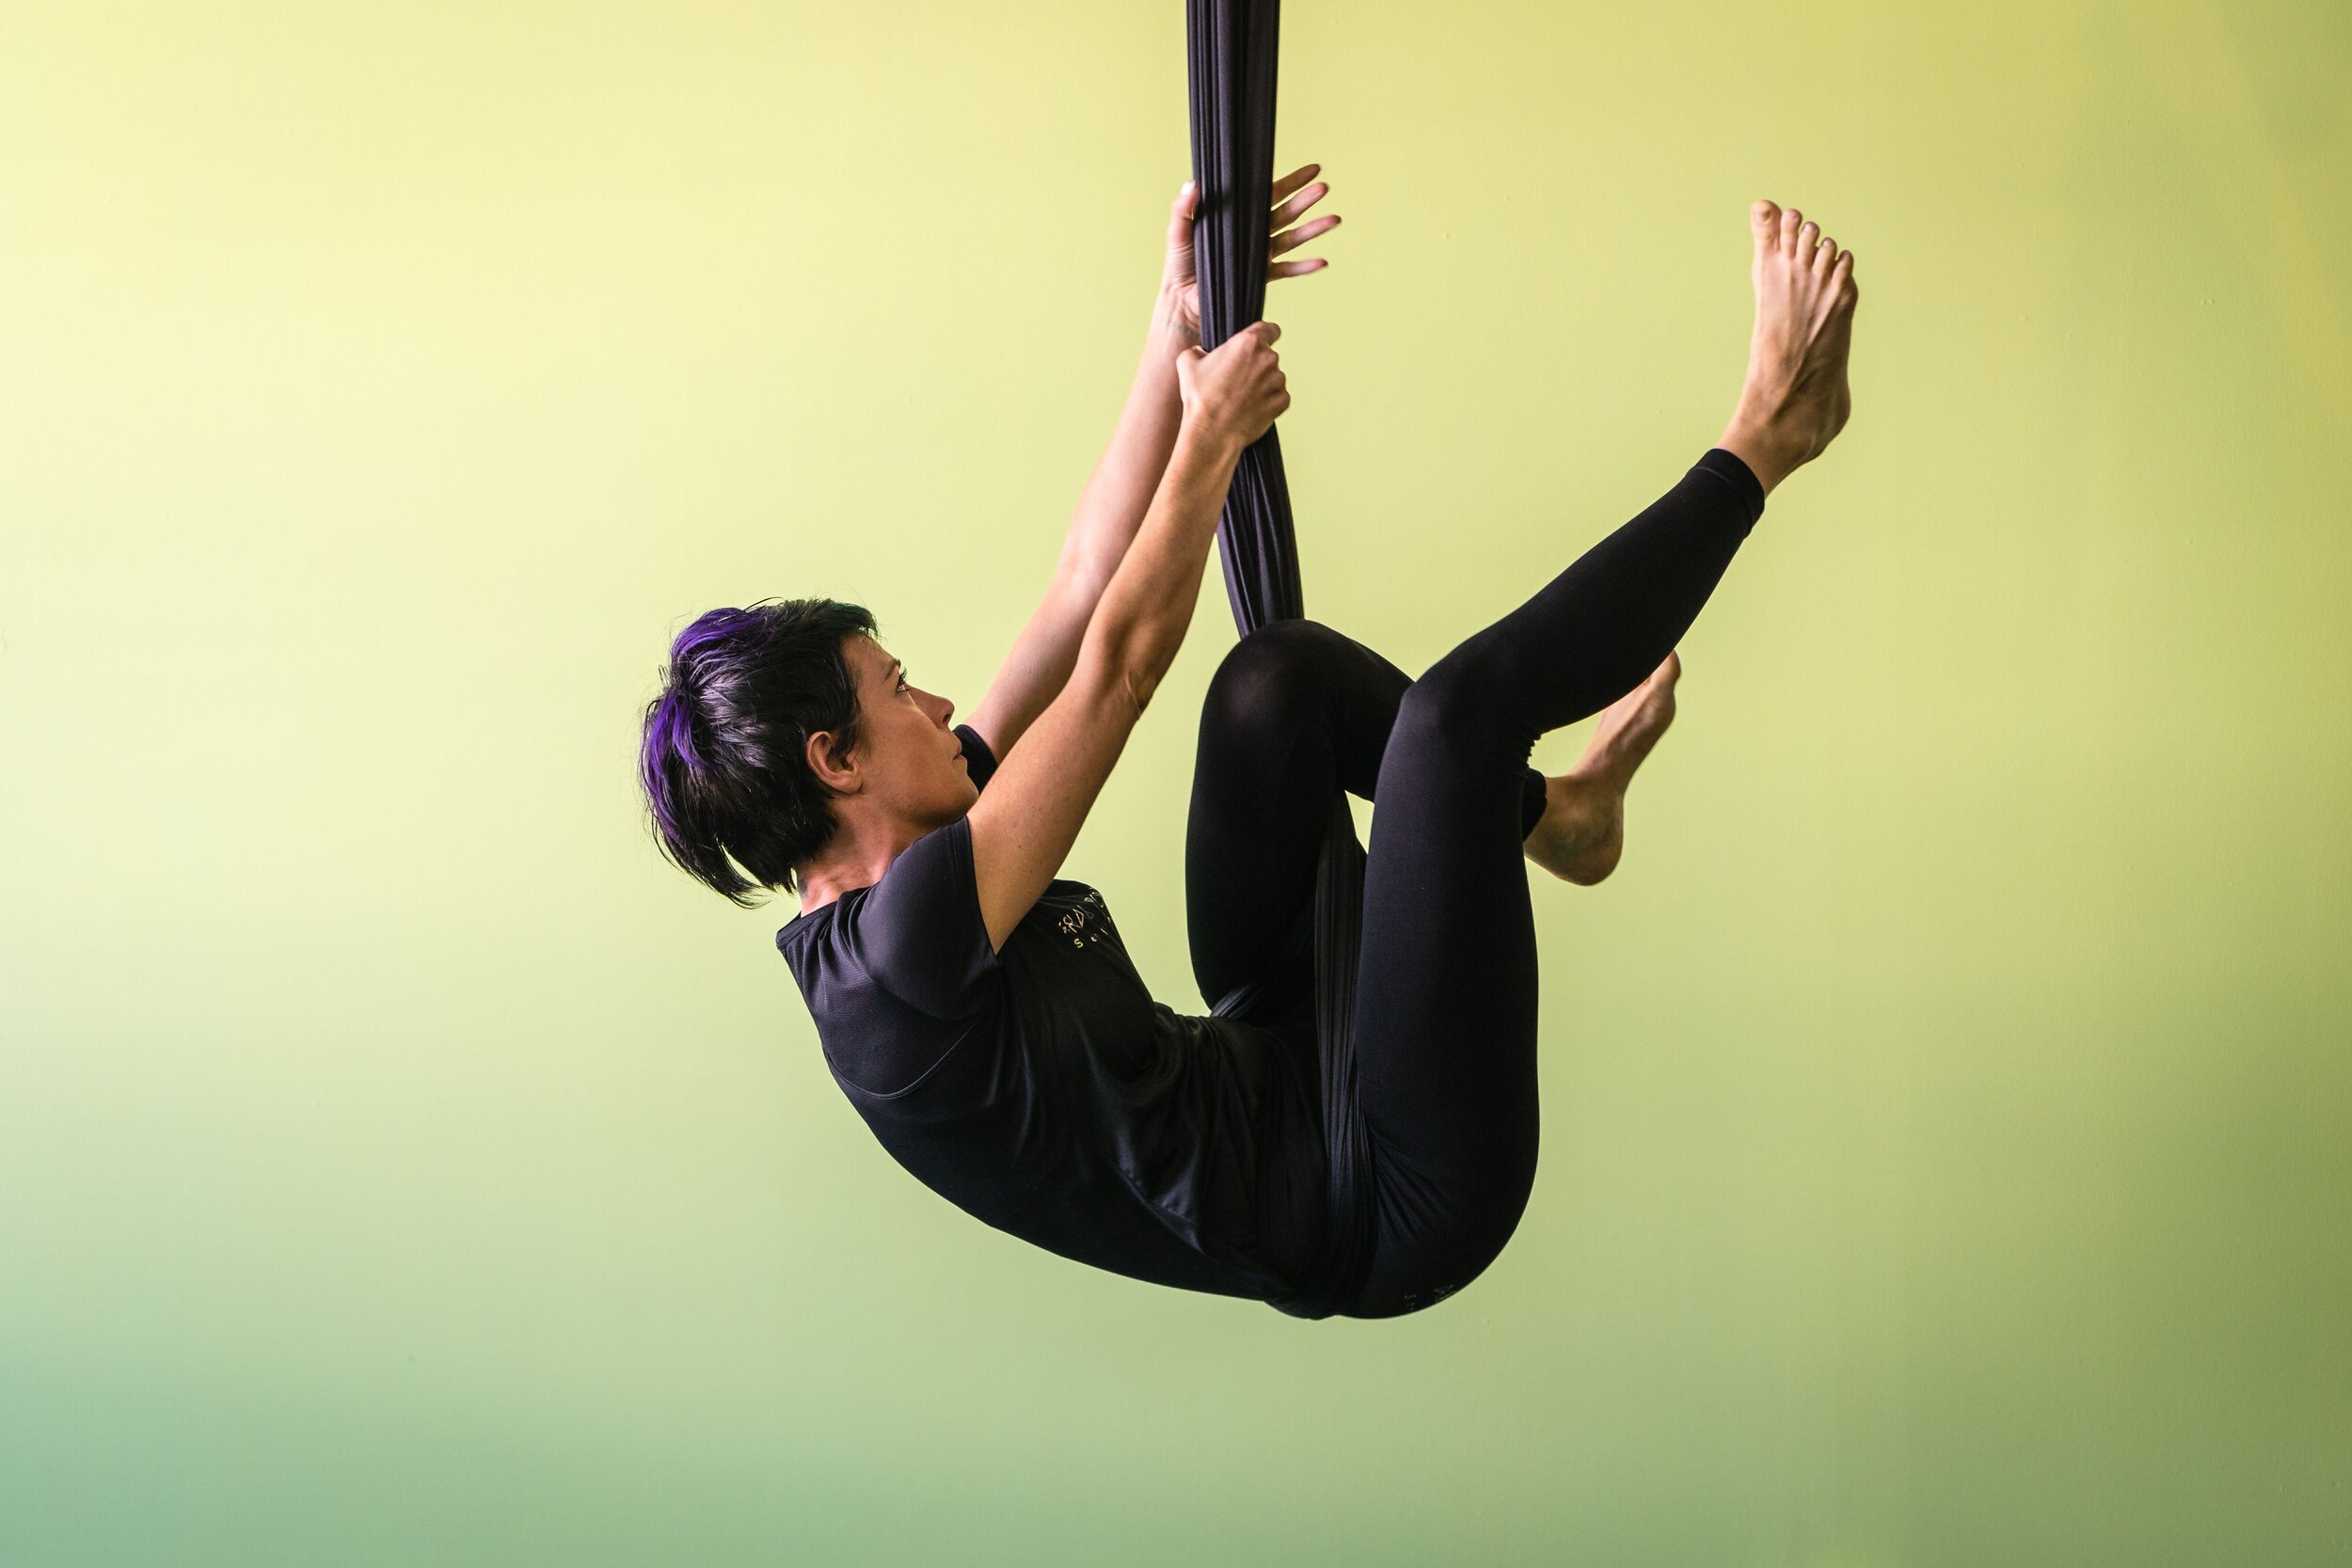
{"x":1120,"y":674}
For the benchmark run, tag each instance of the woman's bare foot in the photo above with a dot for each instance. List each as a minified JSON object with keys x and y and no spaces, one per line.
{"x":1582,"y":830}
{"x":1796,"y":399}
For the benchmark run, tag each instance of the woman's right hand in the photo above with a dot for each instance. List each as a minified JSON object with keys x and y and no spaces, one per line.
{"x":1238,"y":392}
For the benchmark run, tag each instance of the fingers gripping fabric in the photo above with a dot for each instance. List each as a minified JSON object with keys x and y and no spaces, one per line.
{"x":1234,"y":47}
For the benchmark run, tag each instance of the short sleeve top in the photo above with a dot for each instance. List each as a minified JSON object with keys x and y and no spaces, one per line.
{"x":1043,"y":1090}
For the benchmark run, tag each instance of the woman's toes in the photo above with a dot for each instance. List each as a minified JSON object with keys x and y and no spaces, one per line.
{"x":1764,"y":218}
{"x":1808,"y":240}
{"x":1790,"y":221}
{"x":1825,"y":257}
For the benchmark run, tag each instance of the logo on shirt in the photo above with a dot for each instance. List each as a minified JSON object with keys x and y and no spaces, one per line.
{"x":1087,"y":922}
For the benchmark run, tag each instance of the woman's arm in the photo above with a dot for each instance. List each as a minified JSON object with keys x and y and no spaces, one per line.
{"x":1110,"y":510}
{"x":1025,"y":822}
{"x":1112,"y":506}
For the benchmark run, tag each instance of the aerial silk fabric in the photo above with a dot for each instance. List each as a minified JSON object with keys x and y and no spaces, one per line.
{"x":1234,"y":47}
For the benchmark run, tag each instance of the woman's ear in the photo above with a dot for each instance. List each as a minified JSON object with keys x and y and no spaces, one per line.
{"x":835,"y":769}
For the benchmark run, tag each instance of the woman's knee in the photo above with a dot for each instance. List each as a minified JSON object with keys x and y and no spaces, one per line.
{"x":1274,"y":677}
{"x":1467,"y":704}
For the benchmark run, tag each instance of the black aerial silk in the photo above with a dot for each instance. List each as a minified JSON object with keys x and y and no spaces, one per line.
{"x":1233,"y":46}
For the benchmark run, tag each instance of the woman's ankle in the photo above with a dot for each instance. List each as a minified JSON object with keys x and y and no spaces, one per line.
{"x":1765,"y":458}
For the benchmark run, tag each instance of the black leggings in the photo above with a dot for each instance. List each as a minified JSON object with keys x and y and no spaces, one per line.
{"x":1445,"y":1012}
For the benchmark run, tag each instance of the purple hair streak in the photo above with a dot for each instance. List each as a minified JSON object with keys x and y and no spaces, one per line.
{"x":723,"y":759}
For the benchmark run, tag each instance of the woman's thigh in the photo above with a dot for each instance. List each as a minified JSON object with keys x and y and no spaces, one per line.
{"x":1446,"y":997}
{"x":1295,"y":712}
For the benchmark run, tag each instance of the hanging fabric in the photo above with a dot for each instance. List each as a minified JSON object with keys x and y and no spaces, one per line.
{"x":1232,"y":47}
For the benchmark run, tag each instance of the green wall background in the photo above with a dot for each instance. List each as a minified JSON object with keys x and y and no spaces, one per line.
{"x":1948,"y":1144}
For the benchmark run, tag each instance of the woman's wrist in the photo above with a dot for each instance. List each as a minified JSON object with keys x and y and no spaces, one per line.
{"x":1207,"y":442}
{"x":1171,"y":332}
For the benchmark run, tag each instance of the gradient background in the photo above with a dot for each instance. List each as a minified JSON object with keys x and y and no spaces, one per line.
{"x":1949,"y":1105}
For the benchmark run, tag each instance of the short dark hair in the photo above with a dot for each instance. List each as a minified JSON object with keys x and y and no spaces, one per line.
{"x":724,"y":760}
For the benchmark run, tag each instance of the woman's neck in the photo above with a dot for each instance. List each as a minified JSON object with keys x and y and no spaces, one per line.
{"x":860,"y":851}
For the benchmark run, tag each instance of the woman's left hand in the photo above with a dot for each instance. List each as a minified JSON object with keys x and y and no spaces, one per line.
{"x":1292,"y":196}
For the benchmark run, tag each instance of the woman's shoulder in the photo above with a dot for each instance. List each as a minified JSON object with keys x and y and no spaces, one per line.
{"x":979,"y":758}
{"x":916,"y":932}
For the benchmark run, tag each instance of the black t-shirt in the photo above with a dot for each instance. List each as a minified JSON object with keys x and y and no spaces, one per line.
{"x":1043,"y":1090}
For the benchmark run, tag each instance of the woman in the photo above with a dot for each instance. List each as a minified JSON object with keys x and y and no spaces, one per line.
{"x":981,"y":1013}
